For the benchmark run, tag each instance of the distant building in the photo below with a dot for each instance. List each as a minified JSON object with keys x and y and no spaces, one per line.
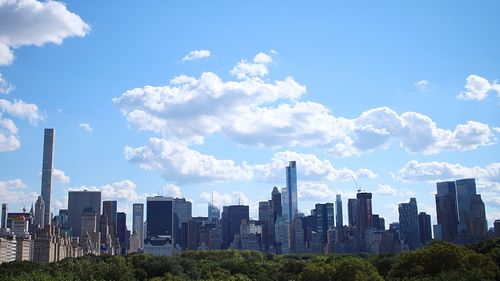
{"x":446,"y":209}
{"x":121,"y":232}
{"x":231,"y":221}
{"x":291,"y":187}
{"x":378,"y":222}
{"x":7,"y":249}
{"x":352,"y":208}
{"x":282,"y":236}
{"x":496,"y":228}
{"x":182,"y":214}
{"x":77,"y":202}
{"x":409,"y":225}
{"x":213,"y":213}
{"x":339,"y":221}
{"x":39,"y":212}
{"x":47,"y":168}
{"x":264,"y":217}
{"x":109,"y":209}
{"x":364,"y":220}
{"x":138,"y":224}
{"x":4,"y":216}
{"x":159,"y":245}
{"x":160,"y":219}
{"x":424,"y":228}
{"x":324,"y":220}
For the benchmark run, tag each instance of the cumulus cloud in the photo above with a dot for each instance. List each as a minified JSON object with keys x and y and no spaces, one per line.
{"x":124,"y":190}
{"x":5,"y":86}
{"x":477,"y":88}
{"x":440,"y":171}
{"x":196,"y":54}
{"x":422,"y":86}
{"x":22,"y":110}
{"x":30,"y":22}
{"x":14,"y":191}
{"x":387,"y":190}
{"x":86,"y":127}
{"x":225,"y":199}
{"x":180,"y":163}
{"x":9,"y":139}
{"x":320,"y":191}
{"x":59,"y":176}
{"x":257,"y":112}
{"x":172,"y":190}
{"x":310,"y":168}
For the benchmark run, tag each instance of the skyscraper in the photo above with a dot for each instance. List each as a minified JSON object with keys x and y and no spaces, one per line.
{"x":466,"y":189}
{"x":77,"y":202}
{"x":121,"y":231}
{"x":213,"y":213}
{"x":424,"y":228}
{"x":291,"y":187}
{"x":324,"y":220}
{"x":264,"y":216}
{"x":352,"y":209}
{"x":364,"y":220}
{"x":408,"y":223}
{"x":446,"y":210}
{"x":4,"y":215}
{"x":275,"y":211}
{"x":476,"y":224}
{"x":339,"y":221}
{"x":232,"y":217}
{"x":182,"y":215}
{"x":109,"y":209}
{"x":39,"y":213}
{"x":47,"y":167}
{"x":159,"y":216}
{"x":138,"y":222}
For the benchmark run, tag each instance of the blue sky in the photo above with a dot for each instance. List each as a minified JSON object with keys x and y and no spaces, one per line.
{"x":193,"y":97}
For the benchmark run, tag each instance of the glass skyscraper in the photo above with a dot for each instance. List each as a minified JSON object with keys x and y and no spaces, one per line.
{"x":47,"y":167}
{"x":408,"y":223}
{"x":291,"y":187}
{"x":446,"y":210}
{"x":138,"y":222}
{"x":339,"y":222}
{"x":159,"y":216}
{"x":77,"y":202}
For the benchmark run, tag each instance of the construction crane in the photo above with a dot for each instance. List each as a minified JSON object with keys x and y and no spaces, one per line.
{"x":355,"y":183}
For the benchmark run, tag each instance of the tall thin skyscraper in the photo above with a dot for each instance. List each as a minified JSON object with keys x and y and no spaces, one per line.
{"x":364,"y":220}
{"x":446,"y":210}
{"x":352,"y":210}
{"x":4,"y":215}
{"x":408,"y":223}
{"x":47,"y":168}
{"x":138,"y":222}
{"x":121,"y":231}
{"x":324,"y":220}
{"x":339,"y":222}
{"x":291,"y":186}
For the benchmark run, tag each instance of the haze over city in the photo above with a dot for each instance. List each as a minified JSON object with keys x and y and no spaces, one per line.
{"x":211,"y":99}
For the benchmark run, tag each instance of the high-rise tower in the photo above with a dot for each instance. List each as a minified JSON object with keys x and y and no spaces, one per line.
{"x":408,"y":223}
{"x":47,"y":167}
{"x":291,"y":186}
{"x":339,"y":222}
{"x":446,"y":210}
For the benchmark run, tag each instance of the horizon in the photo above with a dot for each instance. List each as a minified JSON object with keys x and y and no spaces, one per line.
{"x":213,"y":99}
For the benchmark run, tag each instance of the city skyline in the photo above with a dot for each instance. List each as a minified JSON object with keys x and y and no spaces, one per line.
{"x":213,"y":117}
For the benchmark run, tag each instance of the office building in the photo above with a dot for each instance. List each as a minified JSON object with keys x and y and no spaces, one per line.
{"x":213,"y":213}
{"x":4,"y":216}
{"x":446,"y":210}
{"x":232,"y":217}
{"x":47,"y":168}
{"x":324,"y":220}
{"x":408,"y":223}
{"x":364,"y":220}
{"x":352,"y":208}
{"x":264,"y":216}
{"x":477,"y":227}
{"x":339,"y":221}
{"x":109,"y":209}
{"x":77,"y":202}
{"x":138,"y":224}
{"x":424,"y":228}
{"x":281,"y":233}
{"x":39,"y":212}
{"x":159,"y":218}
{"x":378,"y":222}
{"x":182,"y":214}
{"x":121,"y":232}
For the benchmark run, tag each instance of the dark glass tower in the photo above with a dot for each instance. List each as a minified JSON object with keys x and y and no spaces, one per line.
{"x":291,"y":186}
{"x":446,"y":209}
{"x":339,"y":221}
{"x":364,"y":220}
{"x":47,"y":167}
{"x":352,"y":209}
{"x":160,"y":216}
{"x":109,"y":210}
{"x":77,"y":202}
{"x":232,"y":217}
{"x":424,"y":228}
{"x":324,"y":220}
{"x":408,"y":223}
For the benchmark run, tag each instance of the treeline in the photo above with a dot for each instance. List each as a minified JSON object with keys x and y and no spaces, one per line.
{"x":436,"y":261}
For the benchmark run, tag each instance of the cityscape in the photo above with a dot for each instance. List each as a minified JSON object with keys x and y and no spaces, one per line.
{"x":163,"y":226}
{"x":230,"y":140}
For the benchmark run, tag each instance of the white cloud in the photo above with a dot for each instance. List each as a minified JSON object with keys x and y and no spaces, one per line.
{"x":309,"y":168}
{"x":256,"y":68}
{"x":14,"y":191}
{"x":30,"y":22}
{"x":180,"y":163}
{"x":124,"y":190}
{"x":59,"y":176}
{"x":225,"y":199}
{"x":9,"y":140}
{"x":196,"y":54}
{"x":86,"y":127}
{"x":320,"y":191}
{"x":172,"y":190}
{"x":5,"y":86}
{"x":263,"y":113}
{"x":22,"y":110}
{"x":477,"y":88}
{"x":385,"y":189}
{"x":440,"y":171}
{"x":422,"y":86}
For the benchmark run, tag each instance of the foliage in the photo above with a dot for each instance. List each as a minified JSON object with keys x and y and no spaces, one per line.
{"x":435,"y":262}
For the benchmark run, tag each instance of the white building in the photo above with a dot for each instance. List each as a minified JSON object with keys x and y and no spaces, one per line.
{"x":158,"y":246}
